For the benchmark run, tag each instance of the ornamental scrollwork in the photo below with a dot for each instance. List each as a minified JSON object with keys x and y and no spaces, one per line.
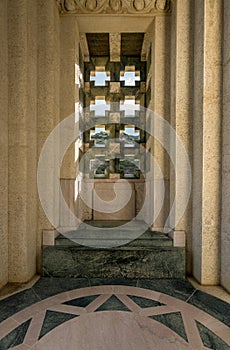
{"x":132,"y":7}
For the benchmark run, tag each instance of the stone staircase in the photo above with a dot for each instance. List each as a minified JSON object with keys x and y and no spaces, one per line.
{"x":80,"y":254}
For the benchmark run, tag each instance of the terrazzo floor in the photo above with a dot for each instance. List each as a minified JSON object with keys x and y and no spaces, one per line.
{"x":110,"y":314}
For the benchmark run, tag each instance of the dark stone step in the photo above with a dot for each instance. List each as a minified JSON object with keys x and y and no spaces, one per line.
{"x":154,"y":262}
{"x":151,"y":255}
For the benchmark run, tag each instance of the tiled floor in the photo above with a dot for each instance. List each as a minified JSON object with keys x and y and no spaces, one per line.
{"x":110,"y":314}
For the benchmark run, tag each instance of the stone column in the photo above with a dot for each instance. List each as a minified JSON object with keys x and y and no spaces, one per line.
{"x":22,"y":71}
{"x":48,"y":96}
{"x":3,"y":145}
{"x":225,"y":231}
{"x":69,"y":92}
{"x":181,"y":113}
{"x":207,"y":140}
{"x":161,"y":106}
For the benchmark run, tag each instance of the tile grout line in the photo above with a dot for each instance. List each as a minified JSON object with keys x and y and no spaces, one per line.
{"x":36,"y":294}
{"x":187,"y":300}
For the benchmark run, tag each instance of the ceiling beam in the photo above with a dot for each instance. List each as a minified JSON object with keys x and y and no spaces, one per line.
{"x":115,"y":47}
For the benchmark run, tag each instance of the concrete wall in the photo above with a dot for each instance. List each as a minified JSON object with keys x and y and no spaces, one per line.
{"x":225,"y":232}
{"x":3,"y":144}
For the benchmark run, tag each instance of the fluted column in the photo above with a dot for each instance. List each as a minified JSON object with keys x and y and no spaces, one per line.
{"x":181,"y":114}
{"x":22,"y":139}
{"x":69,"y":92}
{"x":225,"y":224}
{"x":161,"y":106}
{"x":48,"y":100}
{"x":3,"y":145}
{"x":207,"y":141}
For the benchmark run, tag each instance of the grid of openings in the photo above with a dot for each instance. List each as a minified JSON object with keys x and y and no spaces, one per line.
{"x":114,"y":97}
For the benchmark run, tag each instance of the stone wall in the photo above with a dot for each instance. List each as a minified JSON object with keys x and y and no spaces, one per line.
{"x":3,"y":145}
{"x":225,"y":232}
{"x":39,"y":54}
{"x":29,"y":109}
{"x":22,"y":115}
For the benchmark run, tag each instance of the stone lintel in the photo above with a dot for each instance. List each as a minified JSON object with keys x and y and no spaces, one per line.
{"x":126,"y":7}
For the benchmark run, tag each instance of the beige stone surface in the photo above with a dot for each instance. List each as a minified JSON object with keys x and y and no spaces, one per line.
{"x":3,"y":145}
{"x":39,"y":63}
{"x":179,"y":238}
{"x":47,"y":94}
{"x":207,"y":154}
{"x":225,"y":224}
{"x":104,"y":195}
{"x":22,"y":140}
{"x":69,"y":83}
{"x":181,"y":109}
{"x":161,"y":104}
{"x":198,"y":136}
{"x":49,"y":237}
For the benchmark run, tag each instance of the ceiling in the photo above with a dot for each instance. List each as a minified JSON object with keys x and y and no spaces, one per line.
{"x":131,"y":44}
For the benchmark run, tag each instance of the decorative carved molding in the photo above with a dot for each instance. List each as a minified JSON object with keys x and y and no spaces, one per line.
{"x":133,"y":7}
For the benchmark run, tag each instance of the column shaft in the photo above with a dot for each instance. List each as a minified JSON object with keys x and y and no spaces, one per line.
{"x":207,"y":126}
{"x":3,"y":145}
{"x":161,"y":106}
{"x":22,"y":140}
{"x":181,"y":112}
{"x":48,"y":97}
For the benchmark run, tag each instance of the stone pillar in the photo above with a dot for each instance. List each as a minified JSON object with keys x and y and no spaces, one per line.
{"x":225,"y":231}
{"x":181,"y":112}
{"x":69,"y":85}
{"x":48,"y":95}
{"x":69,"y":92}
{"x":3,"y":145}
{"x":22,"y":71}
{"x":161,"y":106}
{"x":207,"y":140}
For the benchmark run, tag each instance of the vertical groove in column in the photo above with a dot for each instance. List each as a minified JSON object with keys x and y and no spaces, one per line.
{"x":161,"y":88}
{"x":69,"y":91}
{"x":3,"y":145}
{"x":207,"y":141}
{"x":69,"y":37}
{"x":48,"y":96}
{"x":225,"y":230}
{"x":22,"y":140}
{"x":212,"y":115}
{"x":181,"y":111}
{"x":198,"y":138}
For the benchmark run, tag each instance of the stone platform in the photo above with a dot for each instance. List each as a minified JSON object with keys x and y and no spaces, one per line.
{"x":81,"y":253}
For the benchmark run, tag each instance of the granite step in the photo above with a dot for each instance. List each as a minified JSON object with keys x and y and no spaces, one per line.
{"x":148,"y":262}
{"x":151,"y":255}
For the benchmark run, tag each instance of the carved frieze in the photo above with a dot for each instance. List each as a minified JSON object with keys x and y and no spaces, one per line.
{"x":146,"y":7}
